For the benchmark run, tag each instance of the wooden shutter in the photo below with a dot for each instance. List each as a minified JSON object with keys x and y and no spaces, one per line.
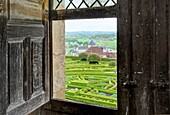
{"x":24,"y":56}
{"x":162,"y":58}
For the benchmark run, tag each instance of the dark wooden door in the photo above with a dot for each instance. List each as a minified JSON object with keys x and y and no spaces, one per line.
{"x":24,"y":57}
{"x":150,"y":62}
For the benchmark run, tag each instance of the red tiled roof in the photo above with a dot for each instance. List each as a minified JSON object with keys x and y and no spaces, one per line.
{"x":95,"y":49}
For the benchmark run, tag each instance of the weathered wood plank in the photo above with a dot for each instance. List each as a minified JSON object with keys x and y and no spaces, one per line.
{"x":43,"y":110}
{"x":24,"y":108}
{"x":107,"y":12}
{"x":3,"y":62}
{"x":25,"y":28}
{"x":142,"y":37}
{"x":168,"y":37}
{"x":27,"y":79}
{"x":124,"y":54}
{"x":79,"y":109}
{"x":161,"y":46}
{"x":46,"y":63}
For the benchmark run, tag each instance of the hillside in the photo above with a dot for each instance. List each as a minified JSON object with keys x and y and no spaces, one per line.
{"x":82,"y":38}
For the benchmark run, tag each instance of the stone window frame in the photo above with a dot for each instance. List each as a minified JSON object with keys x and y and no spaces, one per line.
{"x":57,"y":18}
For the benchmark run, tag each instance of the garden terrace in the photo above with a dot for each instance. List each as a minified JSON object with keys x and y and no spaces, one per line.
{"x":91,"y":83}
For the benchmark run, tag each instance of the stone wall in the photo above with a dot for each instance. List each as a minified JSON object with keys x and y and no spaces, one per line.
{"x":58,"y":35}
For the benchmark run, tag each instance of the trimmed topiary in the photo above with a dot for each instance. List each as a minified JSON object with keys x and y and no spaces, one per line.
{"x":112,"y":63}
{"x":83,"y":56}
{"x":94,"y":59}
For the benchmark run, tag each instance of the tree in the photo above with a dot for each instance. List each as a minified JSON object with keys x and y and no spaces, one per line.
{"x":85,"y":44}
{"x":94,"y":59}
{"x":83,"y":56}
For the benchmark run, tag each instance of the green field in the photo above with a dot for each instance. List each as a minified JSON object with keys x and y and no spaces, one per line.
{"x":91,"y":83}
{"x":111,"y":43}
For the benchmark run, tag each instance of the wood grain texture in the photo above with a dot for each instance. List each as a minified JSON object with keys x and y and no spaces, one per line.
{"x":142,"y":37}
{"x":27,"y":80}
{"x":124,"y":55}
{"x":25,"y":68}
{"x":15,"y":70}
{"x":25,"y":28}
{"x":161,"y":63}
{"x":79,"y":108}
{"x":168,"y":37}
{"x":3,"y":62}
{"x":37,"y":72}
{"x":23,"y":51}
{"x":105,"y":12}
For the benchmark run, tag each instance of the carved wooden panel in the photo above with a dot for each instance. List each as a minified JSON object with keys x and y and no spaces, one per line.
{"x":37,"y":72}
{"x":27,"y":73}
{"x":24,"y":54}
{"x":25,"y":61}
{"x":15,"y":71}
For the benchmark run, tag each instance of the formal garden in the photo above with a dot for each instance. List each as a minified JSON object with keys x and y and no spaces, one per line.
{"x":91,"y":79}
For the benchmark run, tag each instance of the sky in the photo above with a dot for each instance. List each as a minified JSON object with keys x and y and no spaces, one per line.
{"x":102,"y":24}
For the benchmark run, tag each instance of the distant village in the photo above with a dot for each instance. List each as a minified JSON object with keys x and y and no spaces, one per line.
{"x":102,"y":51}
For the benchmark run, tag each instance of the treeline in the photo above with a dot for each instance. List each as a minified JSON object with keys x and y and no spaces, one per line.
{"x":93,"y":34}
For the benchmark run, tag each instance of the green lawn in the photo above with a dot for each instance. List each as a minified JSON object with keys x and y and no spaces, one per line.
{"x":91,"y":83}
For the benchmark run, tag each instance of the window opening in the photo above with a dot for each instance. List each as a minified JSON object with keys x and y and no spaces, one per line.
{"x":78,"y":4}
{"x":90,"y":63}
{"x":90,"y":54}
